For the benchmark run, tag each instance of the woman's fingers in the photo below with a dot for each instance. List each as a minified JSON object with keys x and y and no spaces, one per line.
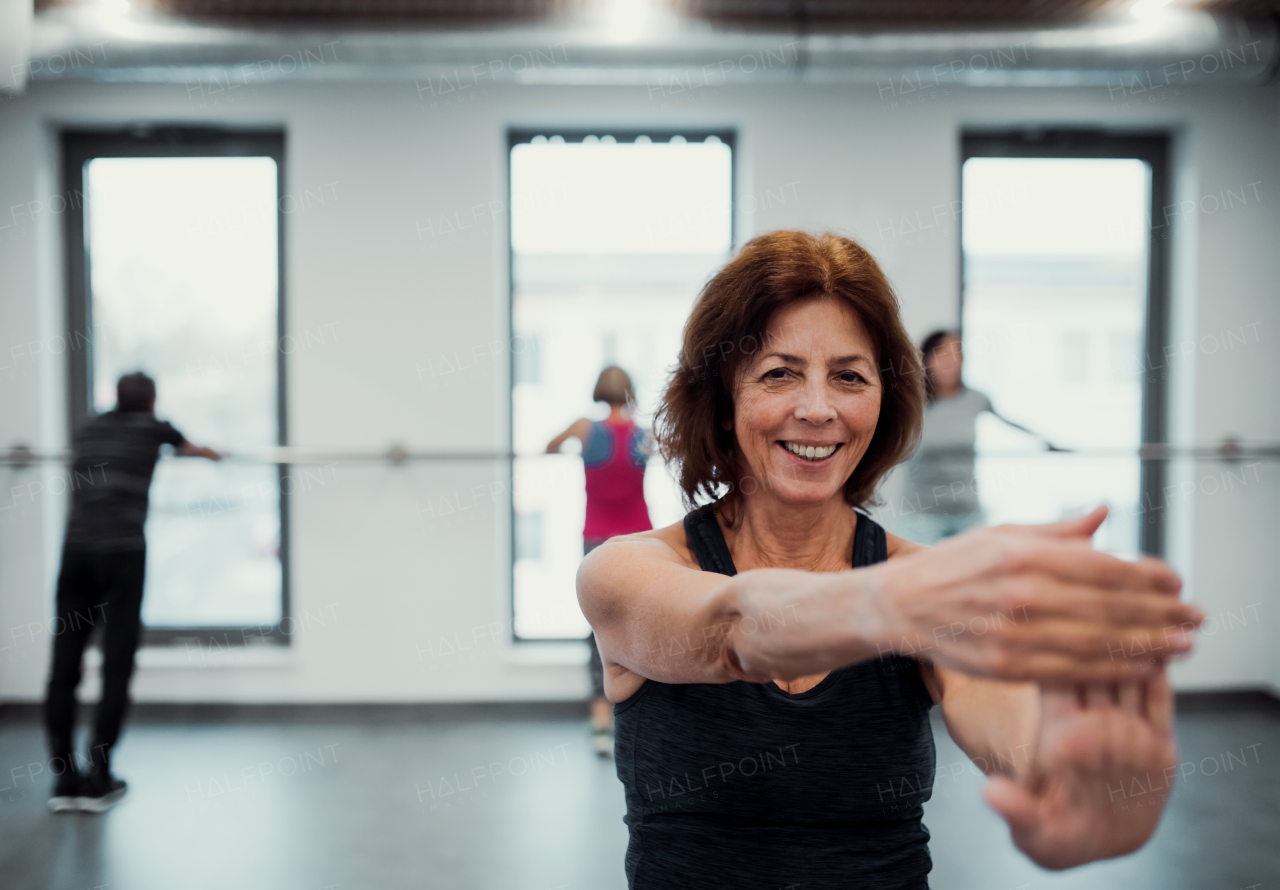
{"x":1159,"y":701}
{"x":1088,"y":644}
{"x":1098,"y":695}
{"x":1046,"y":606}
{"x":1076,"y":562}
{"x":1047,"y":667}
{"x":1117,"y":624}
{"x":1120,"y":611}
{"x":1140,"y":686}
{"x":1059,"y":701}
{"x":1081,"y":643}
{"x":1005,"y":555}
{"x":1131,"y":697}
{"x":1061,"y":650}
{"x":1077,"y":527}
{"x":1011,"y":801}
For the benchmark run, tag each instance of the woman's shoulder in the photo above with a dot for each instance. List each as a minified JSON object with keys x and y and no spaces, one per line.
{"x":673,"y":538}
{"x":581,"y":427}
{"x":976,"y":398}
{"x":899,"y":547}
{"x":668,"y":544}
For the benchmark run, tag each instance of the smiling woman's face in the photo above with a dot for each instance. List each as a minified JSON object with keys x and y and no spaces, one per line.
{"x":806,"y":407}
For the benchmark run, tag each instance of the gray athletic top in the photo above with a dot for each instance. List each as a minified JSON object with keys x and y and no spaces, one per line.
{"x":741,"y":785}
{"x":940,"y":474}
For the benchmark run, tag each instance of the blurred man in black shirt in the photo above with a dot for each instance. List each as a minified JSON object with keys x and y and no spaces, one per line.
{"x":100,"y":583}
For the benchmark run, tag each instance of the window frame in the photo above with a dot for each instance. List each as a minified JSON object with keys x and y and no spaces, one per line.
{"x":78,"y":147}
{"x":1153,"y":148}
{"x":520,"y":135}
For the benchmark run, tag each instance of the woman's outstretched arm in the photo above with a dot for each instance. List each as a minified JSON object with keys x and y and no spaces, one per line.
{"x":1017,"y":426}
{"x":1011,"y":603}
{"x":577,"y":429}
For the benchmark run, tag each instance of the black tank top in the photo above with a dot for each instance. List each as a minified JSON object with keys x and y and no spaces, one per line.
{"x":741,"y":785}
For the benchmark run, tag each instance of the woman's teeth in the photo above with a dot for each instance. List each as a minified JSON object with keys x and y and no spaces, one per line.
{"x":810,"y":452}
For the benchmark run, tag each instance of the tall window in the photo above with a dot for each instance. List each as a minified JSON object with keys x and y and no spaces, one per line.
{"x":175,"y":271}
{"x":1063,"y":313}
{"x":612,"y":234}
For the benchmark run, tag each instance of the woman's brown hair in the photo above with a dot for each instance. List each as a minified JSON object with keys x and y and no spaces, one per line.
{"x":728,"y":326}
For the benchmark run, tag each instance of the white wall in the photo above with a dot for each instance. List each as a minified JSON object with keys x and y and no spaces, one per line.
{"x":381,"y":578}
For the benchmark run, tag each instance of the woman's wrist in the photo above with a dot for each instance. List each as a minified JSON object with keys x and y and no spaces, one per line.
{"x":872,"y":623}
{"x":782,"y":624}
{"x":995,"y":723}
{"x":724,"y":610}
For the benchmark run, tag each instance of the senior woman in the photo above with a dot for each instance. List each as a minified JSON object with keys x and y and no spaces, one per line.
{"x":773,"y":657}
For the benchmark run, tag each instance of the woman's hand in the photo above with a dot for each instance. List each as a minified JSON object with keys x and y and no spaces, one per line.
{"x":1099,"y":773}
{"x":1035,"y":603}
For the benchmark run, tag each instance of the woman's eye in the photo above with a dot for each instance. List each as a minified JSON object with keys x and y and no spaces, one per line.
{"x":852,"y":377}
{"x":776,"y":374}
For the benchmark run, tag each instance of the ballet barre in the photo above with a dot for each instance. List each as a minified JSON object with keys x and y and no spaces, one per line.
{"x":395,"y":455}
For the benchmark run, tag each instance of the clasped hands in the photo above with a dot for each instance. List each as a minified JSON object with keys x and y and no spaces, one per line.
{"x":1094,"y":632}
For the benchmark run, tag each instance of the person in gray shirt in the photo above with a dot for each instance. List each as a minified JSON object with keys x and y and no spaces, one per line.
{"x":942,"y":497}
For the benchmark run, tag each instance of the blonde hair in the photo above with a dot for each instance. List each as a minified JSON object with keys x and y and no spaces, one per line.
{"x":614,"y":387}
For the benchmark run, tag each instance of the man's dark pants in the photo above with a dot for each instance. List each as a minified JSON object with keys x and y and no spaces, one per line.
{"x":96,"y":589}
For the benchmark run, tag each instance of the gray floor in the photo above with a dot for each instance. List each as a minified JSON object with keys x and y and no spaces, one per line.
{"x":385,"y":799}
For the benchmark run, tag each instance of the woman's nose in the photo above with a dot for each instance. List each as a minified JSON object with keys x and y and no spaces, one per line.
{"x":815,"y":405}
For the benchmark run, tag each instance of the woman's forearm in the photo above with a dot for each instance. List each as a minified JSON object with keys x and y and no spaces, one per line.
{"x":1029,"y":603}
{"x":785,"y":623}
{"x":993,"y":722}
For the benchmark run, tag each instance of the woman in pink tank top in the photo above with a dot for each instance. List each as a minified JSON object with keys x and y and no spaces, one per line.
{"x":614,"y":452}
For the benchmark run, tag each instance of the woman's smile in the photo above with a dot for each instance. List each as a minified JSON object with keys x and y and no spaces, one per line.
{"x":810,"y":453}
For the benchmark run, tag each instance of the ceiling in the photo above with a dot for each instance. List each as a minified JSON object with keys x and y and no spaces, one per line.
{"x":933,"y":13}
{"x":441,"y":11}
{"x":1034,"y":43}
{"x":818,"y":14}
